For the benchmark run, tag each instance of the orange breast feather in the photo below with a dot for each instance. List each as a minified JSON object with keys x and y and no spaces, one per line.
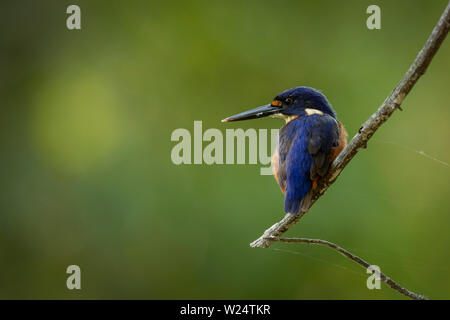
{"x":342,"y":143}
{"x":275,"y":168}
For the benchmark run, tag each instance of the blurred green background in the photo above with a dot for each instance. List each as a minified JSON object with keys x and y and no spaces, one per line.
{"x":86,"y":176}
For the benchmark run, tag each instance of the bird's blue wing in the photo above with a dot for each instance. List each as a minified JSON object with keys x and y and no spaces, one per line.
{"x":309,"y":141}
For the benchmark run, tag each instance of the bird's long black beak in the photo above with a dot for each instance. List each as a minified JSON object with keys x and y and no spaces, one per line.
{"x":259,"y":112}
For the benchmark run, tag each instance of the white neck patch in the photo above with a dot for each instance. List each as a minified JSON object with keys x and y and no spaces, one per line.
{"x":310,"y":112}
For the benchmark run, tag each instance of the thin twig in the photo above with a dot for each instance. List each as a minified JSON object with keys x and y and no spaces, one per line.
{"x":393,"y":102}
{"x":394,"y":285}
{"x":359,"y":141}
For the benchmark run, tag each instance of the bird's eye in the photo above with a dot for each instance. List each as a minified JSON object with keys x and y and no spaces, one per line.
{"x":289,"y":101}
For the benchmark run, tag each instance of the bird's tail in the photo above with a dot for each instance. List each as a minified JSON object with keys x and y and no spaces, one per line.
{"x":306,"y":202}
{"x":296,"y":206}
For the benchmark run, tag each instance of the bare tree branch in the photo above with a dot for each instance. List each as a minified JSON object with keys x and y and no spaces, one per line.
{"x":394,"y":285}
{"x":359,"y":141}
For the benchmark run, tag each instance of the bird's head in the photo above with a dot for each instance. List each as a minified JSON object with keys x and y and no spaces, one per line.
{"x":293,"y":102}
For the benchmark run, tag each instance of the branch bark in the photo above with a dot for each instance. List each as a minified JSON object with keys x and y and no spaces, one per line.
{"x":359,"y":141}
{"x":394,"y":285}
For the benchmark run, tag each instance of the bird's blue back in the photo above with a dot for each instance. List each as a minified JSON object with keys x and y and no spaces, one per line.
{"x":305,"y":146}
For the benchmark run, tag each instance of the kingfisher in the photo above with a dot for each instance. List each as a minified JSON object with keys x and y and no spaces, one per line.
{"x":307,"y":144}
